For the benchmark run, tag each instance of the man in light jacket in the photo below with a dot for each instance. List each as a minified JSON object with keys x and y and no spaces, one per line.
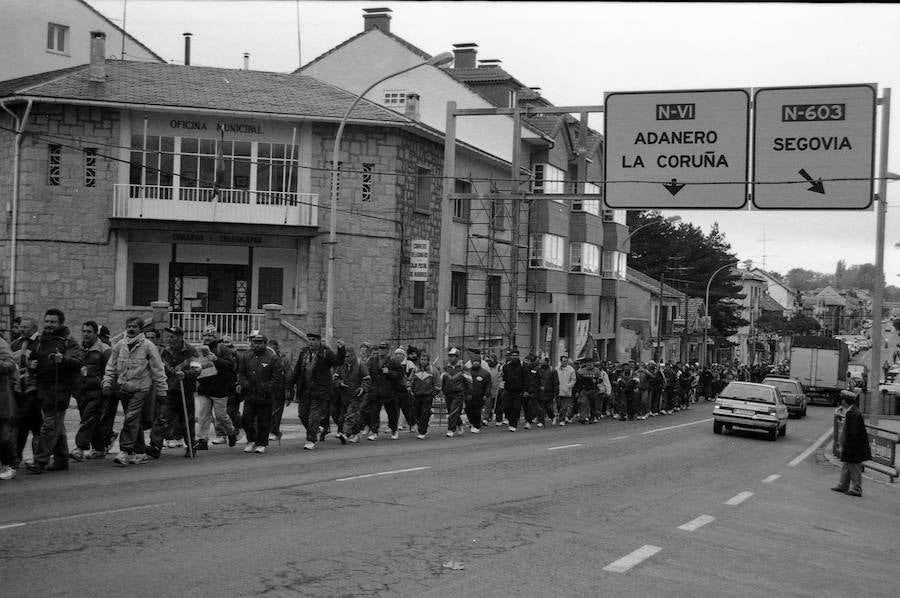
{"x":565,"y":375}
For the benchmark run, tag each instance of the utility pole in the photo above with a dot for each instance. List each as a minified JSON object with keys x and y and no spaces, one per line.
{"x":657,"y":353}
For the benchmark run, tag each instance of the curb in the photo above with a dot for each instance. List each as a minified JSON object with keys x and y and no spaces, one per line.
{"x":827,"y":455}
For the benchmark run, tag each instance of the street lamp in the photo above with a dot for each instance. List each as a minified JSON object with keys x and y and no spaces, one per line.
{"x":706,"y":308}
{"x":439,"y":60}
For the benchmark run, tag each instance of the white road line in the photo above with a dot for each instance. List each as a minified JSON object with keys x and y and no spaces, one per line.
{"x":738,"y":498}
{"x":556,"y":448}
{"x":630,"y":560}
{"x":92,"y":514}
{"x":9,"y":525}
{"x":619,"y":438}
{"x":372,"y":475}
{"x":702,"y":421}
{"x":697,"y":523}
{"x":771,"y":478}
{"x":811,"y":448}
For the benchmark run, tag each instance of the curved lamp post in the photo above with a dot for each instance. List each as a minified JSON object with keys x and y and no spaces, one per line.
{"x":439,"y":60}
{"x":706,"y":307}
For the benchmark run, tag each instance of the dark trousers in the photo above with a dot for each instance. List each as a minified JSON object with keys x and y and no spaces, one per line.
{"x":493,"y":409}
{"x":7,"y":443}
{"x":171,"y":409}
{"x":404,"y":401}
{"x":394,"y":402}
{"x":545,"y":408}
{"x":91,"y":434}
{"x":257,"y":419}
{"x":234,"y":411}
{"x":351,"y":407}
{"x":655,"y":397}
{"x":28,"y":420}
{"x":473,"y":412}
{"x":632,"y":404}
{"x":512,"y":406}
{"x":370,"y":410}
{"x":421,"y":406}
{"x":565,"y":406}
{"x":315,"y":407}
{"x":52,"y":440}
{"x":587,"y":401}
{"x":454,"y":410}
{"x":277,"y":414}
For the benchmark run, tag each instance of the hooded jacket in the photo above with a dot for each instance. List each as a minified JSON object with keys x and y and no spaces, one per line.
{"x":481,"y":384}
{"x":94,"y":359}
{"x":134,"y":365}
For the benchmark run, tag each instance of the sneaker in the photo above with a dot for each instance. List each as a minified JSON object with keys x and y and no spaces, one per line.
{"x":421,"y":436}
{"x":563,"y":423}
{"x":322,"y":433}
{"x":139,"y":459}
{"x":122,"y":459}
{"x":173,"y":443}
{"x":476,"y":431}
{"x":77,"y":454}
{"x":36,"y":468}
{"x":95,"y":454}
{"x":272,"y":437}
{"x":373,"y":437}
{"x":202,"y":444}
{"x":854,"y":493}
{"x":527,"y":426}
{"x":8,"y":473}
{"x":250,"y":446}
{"x":512,"y":429}
{"x":232,"y":439}
{"x":449,"y":434}
{"x":309,"y":446}
{"x":395,"y":435}
{"x":342,"y":437}
{"x":153,"y":452}
{"x":218,"y":440}
{"x":839,"y":489}
{"x":505,"y":422}
{"x":498,"y":424}
{"x":260,"y":449}
{"x":540,"y":425}
{"x":354,"y":439}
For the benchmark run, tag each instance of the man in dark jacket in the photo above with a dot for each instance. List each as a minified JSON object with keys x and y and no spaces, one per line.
{"x":8,"y":371}
{"x":513,"y":375}
{"x":854,"y":446}
{"x":28,"y":417}
{"x":260,"y":376}
{"x":549,"y":390}
{"x":54,"y":362}
{"x":212,"y":389}
{"x":455,"y":386}
{"x":481,"y":387}
{"x":314,"y":378}
{"x":181,"y":361}
{"x":385,"y":374}
{"x":90,"y":441}
{"x":353,"y":384}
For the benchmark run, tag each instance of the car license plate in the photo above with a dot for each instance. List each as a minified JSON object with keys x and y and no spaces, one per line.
{"x":745,"y":412}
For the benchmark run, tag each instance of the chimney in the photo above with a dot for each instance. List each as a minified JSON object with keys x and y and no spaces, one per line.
{"x":464,"y":56}
{"x":97,"y":70}
{"x":377,"y":18}
{"x":489,"y":63}
{"x":187,"y":48}
{"x":246,"y":61}
{"x":411,"y":109}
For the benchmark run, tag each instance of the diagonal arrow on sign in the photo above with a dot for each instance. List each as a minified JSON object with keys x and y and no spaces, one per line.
{"x":673,"y":187}
{"x":817,"y":186}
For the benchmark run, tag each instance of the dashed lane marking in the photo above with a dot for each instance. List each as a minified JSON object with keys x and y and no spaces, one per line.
{"x":91,"y":514}
{"x":380,"y":473}
{"x":799,"y":458}
{"x":619,"y":438}
{"x":9,"y":525}
{"x":702,"y":421}
{"x":738,"y":498}
{"x":630,"y":560}
{"x":565,"y":446}
{"x":697,"y":523}
{"x":771,"y":478}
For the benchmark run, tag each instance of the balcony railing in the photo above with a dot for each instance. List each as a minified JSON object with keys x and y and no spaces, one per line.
{"x":198,"y":204}
{"x":237,"y":326}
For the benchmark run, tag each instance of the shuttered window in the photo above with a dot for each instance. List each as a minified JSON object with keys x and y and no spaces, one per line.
{"x":271,"y":286}
{"x":144,"y":284}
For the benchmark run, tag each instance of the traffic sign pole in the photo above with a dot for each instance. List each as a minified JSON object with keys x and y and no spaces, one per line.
{"x":878,"y":291}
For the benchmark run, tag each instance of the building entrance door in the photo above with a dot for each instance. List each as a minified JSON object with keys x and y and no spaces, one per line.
{"x":210,"y":288}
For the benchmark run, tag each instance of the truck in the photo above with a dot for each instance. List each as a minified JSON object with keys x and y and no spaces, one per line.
{"x":819,"y":363}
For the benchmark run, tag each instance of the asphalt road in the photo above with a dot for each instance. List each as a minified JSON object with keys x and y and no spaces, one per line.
{"x":549,"y":512}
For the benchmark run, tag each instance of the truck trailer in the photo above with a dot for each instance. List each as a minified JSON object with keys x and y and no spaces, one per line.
{"x":820,"y":364}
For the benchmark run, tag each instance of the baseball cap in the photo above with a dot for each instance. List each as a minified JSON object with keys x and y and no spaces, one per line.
{"x":256,"y":335}
{"x":176,"y":330}
{"x":313,"y":335}
{"x":453,"y":351}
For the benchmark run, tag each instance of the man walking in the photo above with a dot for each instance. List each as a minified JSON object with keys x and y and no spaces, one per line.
{"x":8,"y":372}
{"x":353,"y":384}
{"x":481,"y":384}
{"x":313,"y":377}
{"x":28,"y":417}
{"x":212,"y":390}
{"x":455,"y":387}
{"x":424,"y":386}
{"x":182,"y":364}
{"x":513,"y":375}
{"x":260,"y":376}
{"x":493,"y":410}
{"x":549,"y":390}
{"x":54,"y":362}
{"x":90,"y":441}
{"x":854,"y":446}
{"x":565,"y":381}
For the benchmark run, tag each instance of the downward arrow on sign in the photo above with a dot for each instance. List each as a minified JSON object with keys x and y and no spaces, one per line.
{"x":673,"y":187}
{"x":817,"y":186}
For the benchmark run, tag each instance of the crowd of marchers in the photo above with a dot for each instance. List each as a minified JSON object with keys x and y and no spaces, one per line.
{"x":174,"y":394}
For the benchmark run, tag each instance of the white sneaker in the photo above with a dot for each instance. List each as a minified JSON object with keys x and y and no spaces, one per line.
{"x":309,"y":446}
{"x":273,"y":437}
{"x":421,"y":436}
{"x":139,"y":458}
{"x":219,"y":440}
{"x":250,"y":446}
{"x":395,"y":435}
{"x":8,"y":473}
{"x":475,"y":431}
{"x":373,"y":437}
{"x":122,"y":458}
{"x":449,"y":434}
{"x":498,"y":424}
{"x":260,"y":449}
{"x":540,"y":425}
{"x":95,"y":454}
{"x":354,"y":439}
{"x":527,"y":426}
{"x":511,"y":429}
{"x":77,"y":454}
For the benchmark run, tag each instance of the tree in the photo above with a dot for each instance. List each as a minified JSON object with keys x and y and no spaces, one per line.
{"x":839,"y":272}
{"x":772,"y":322}
{"x":801,"y":324}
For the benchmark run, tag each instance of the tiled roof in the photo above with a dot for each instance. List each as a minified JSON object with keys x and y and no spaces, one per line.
{"x":422,"y":53}
{"x":154,"y":84}
{"x":651,"y":284}
{"x":482,"y":75}
{"x":768,"y":303}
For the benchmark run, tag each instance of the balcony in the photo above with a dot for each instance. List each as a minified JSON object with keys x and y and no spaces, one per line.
{"x":151,"y":202}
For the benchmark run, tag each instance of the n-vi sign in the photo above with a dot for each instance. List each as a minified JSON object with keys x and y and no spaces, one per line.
{"x":677,"y":149}
{"x":814,"y":147}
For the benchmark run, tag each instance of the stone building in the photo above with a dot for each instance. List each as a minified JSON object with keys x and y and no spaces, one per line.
{"x":135,"y":181}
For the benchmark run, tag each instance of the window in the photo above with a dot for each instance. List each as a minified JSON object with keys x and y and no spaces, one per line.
{"x":53,"y":163}
{"x":547,"y":251}
{"x":614,"y":264}
{"x":153,"y":162}
{"x":584,"y":258}
{"x":90,"y":166}
{"x":549,"y":179}
{"x":144,"y":284}
{"x":393,"y":97}
{"x":459,"y":284}
{"x":277,"y":167}
{"x":57,"y":38}
{"x":271,"y":286}
{"x":367,"y":169}
{"x":419,"y":294}
{"x":492,"y":301}
{"x":461,"y":206}
{"x":591,"y":206}
{"x":616,"y":216}
{"x":498,"y":213}
{"x":423,"y":189}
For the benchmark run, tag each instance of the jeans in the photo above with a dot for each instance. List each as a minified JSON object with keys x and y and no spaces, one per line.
{"x":204,"y":407}
{"x":315,"y":407}
{"x":132,"y":435}
{"x":587,"y":400}
{"x":91,"y":434}
{"x":52,"y":441}
{"x":234,"y":411}
{"x":851,"y":477}
{"x":257,"y":419}
{"x":454,"y":410}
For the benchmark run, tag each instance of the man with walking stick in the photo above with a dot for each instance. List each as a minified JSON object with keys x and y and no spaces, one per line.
{"x":182,"y":365}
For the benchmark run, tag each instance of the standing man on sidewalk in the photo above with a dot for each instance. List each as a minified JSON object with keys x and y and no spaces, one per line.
{"x":854,"y":446}
{"x":260,"y":376}
{"x":212,"y":390}
{"x":90,"y":441}
{"x":54,"y":362}
{"x":133,"y":369}
{"x":314,"y":379}
{"x":182,"y":364}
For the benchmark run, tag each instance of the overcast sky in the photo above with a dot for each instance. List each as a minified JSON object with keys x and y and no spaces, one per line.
{"x":575,"y":52}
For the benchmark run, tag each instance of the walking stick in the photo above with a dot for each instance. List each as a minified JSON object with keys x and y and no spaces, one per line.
{"x":187,"y":431}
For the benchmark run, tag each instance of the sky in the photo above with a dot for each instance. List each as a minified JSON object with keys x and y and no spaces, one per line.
{"x":577,"y":52}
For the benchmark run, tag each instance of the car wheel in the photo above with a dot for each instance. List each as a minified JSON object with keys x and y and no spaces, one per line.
{"x":773,"y":434}
{"x":783,"y":430}
{"x":717,"y":427}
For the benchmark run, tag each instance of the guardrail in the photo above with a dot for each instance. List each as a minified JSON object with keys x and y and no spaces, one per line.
{"x":882,"y":442}
{"x":237,"y":326}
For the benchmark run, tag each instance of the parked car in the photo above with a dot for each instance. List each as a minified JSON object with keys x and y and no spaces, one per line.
{"x":791,"y":393}
{"x":749,"y":405}
{"x":859,"y":375}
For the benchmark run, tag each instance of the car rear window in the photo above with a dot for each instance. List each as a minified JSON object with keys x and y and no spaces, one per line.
{"x":782,"y":385}
{"x":743,"y":392}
